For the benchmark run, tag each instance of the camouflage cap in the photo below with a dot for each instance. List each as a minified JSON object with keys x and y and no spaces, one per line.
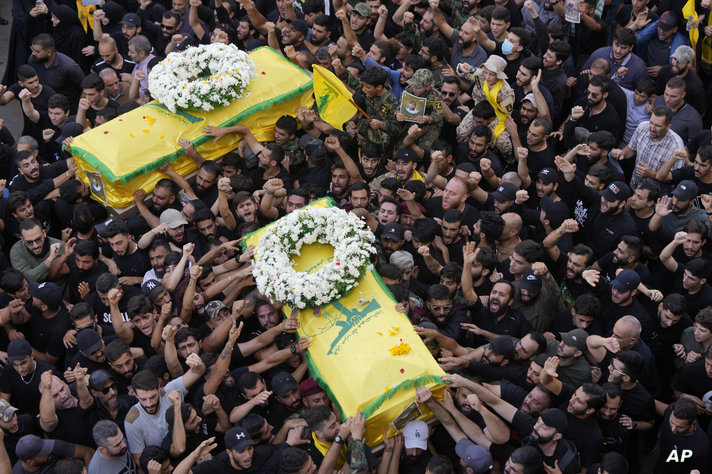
{"x":362,"y":9}
{"x":421,"y":78}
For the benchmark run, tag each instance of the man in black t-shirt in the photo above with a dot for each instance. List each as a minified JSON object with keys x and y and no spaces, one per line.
{"x":49,"y":321}
{"x":20,"y":380}
{"x":683,"y":444}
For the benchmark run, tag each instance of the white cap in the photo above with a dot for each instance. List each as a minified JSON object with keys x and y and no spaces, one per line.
{"x":415,"y":435}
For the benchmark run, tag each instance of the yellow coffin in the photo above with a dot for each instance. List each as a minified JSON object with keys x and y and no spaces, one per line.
{"x":124,"y":154}
{"x":353,"y":342}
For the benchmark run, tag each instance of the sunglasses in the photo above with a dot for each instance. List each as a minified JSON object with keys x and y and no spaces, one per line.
{"x":106,"y":389}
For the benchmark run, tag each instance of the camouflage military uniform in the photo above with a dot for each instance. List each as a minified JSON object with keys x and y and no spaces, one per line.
{"x":502,"y":144}
{"x":381,"y":108}
{"x":505,"y":100}
{"x":433,"y":109}
{"x":455,"y":10}
{"x":437,"y":77}
{"x":413,"y":32}
{"x":297,"y":159}
{"x":359,"y":462}
{"x":505,"y":97}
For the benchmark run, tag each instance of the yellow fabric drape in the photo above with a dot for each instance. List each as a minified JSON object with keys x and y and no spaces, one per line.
{"x":323,"y":448}
{"x":491,"y":94}
{"x":85,"y":14}
{"x":690,"y":14}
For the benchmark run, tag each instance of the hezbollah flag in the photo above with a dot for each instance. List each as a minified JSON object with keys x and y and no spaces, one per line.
{"x":332,"y":98}
{"x":690,"y":15}
{"x":364,"y":353}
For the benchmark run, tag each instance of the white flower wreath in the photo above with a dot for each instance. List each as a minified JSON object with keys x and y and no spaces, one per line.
{"x":352,"y":242}
{"x":202,"y":77}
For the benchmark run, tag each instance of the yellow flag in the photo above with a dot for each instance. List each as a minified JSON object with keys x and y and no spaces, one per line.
{"x":332,"y":98}
{"x":690,"y":15}
{"x":85,"y":13}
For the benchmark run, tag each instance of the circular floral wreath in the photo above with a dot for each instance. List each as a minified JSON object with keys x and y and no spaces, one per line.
{"x":352,"y":242}
{"x":202,"y":77}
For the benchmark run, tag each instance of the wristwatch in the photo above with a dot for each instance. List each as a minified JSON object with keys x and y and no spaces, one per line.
{"x":293,"y":349}
{"x":339,"y":440}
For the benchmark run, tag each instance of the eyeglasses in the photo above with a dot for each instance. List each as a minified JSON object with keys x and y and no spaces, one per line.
{"x":445,"y":308}
{"x":106,"y":389}
{"x":38,"y":241}
{"x":449,"y":94}
{"x":593,"y":94}
{"x":167,"y":27}
{"x":613,"y":369}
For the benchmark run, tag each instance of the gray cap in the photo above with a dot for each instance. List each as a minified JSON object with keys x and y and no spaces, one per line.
{"x":684,"y":54}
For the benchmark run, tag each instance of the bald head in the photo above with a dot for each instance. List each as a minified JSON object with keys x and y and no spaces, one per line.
{"x":512,"y":177}
{"x":512,"y":224}
{"x":627,"y":330}
{"x":600,"y":66}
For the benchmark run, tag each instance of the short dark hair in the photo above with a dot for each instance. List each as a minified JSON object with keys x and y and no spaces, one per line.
{"x":491,"y":225}
{"x":633,"y":364}
{"x":698,"y":267}
{"x":16,"y":199}
{"x":562,"y":50}
{"x":59,"y":101}
{"x":374,"y":76}
{"x":437,"y":47}
{"x":439,"y":292}
{"x":587,"y":305}
{"x":603,"y":138}
{"x":625,"y":37}
{"x":248,"y":380}
{"x":600,"y":81}
{"x":93,"y":81}
{"x":107,"y":281}
{"x":501,"y":13}
{"x":316,"y":416}
{"x":484,"y":110}
{"x":152,"y":453}
{"x":12,"y":280}
{"x":425,"y":230}
{"x":115,"y":349}
{"x":482,"y":131}
{"x":530,"y":250}
{"x":80,"y":311}
{"x":87,"y":248}
{"x":614,"y":463}
{"x":390,"y":271}
{"x":663,"y":111}
{"x":114,"y":228}
{"x":145,"y":380}
{"x":675,"y":303}
{"x":685,"y":409}
{"x":646,"y":85}
{"x":29,"y":224}
{"x":44,"y":41}
{"x":596,"y":395}
{"x":287,"y":123}
{"x":211,"y":167}
{"x":528,"y":457}
{"x":585,"y":250}
{"x":522,"y":34}
{"x":25,"y":72}
{"x":532,"y":64}
{"x":292,"y":460}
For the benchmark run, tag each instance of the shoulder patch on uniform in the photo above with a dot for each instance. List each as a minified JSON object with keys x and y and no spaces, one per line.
{"x":132,"y":415}
{"x":509,"y":108}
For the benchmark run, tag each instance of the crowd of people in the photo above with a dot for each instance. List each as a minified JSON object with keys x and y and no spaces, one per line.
{"x":543,"y":220}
